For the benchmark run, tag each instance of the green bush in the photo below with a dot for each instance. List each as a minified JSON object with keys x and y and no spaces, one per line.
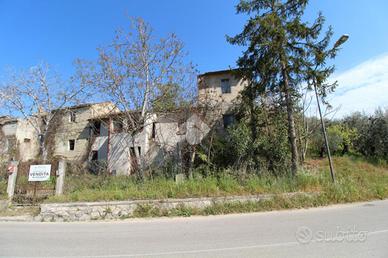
{"x":356,"y":180}
{"x":3,"y":188}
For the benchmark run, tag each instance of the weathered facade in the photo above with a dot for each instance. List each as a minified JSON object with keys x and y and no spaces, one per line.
{"x":71,"y":131}
{"x":218,"y":93}
{"x":98,"y":134}
{"x":18,"y":140}
{"x":162,"y":136}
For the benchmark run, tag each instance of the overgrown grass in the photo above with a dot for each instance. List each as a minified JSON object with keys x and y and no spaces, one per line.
{"x":277,"y":203}
{"x":3,"y":189}
{"x":91,"y":188}
{"x":357,"y":180}
{"x":19,"y":211}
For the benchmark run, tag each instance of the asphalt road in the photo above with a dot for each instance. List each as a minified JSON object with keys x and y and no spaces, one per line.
{"x":355,"y":230}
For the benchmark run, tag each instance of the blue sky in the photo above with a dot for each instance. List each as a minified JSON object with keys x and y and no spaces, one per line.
{"x":60,"y":31}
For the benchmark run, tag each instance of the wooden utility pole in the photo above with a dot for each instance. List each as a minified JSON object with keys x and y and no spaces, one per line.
{"x":324,"y":134}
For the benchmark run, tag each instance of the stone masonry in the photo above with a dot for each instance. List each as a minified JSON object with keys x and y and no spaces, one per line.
{"x":85,"y":211}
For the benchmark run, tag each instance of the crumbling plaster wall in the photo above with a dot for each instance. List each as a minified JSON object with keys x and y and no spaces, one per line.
{"x":120,"y":144}
{"x":210,"y":93}
{"x":78,"y":131}
{"x":28,"y":142}
{"x":19,"y":141}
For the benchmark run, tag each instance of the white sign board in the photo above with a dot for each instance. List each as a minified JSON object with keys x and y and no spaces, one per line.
{"x":39,"y":173}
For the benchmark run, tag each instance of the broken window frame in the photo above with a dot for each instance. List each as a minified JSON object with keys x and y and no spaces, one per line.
{"x":226,"y":86}
{"x":118,"y":126}
{"x":96,"y":128}
{"x":72,"y":117}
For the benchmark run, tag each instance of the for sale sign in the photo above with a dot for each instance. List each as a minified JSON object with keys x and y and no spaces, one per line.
{"x":39,"y":173}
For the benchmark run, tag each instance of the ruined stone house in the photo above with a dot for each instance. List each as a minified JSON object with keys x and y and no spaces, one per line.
{"x":17,"y":140}
{"x":71,"y":130}
{"x":98,"y":133}
{"x":67,"y":137}
{"x":165,"y":134}
{"x":218,"y":93}
{"x":162,"y":136}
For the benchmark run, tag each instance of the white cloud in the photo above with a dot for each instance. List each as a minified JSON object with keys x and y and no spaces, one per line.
{"x":362,"y":88}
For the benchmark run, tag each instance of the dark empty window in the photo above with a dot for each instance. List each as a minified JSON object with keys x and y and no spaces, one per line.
{"x":225,"y":86}
{"x":71,"y":145}
{"x":94,"y":155}
{"x":118,"y":126}
{"x":153,"y":131}
{"x":132,"y":151}
{"x":72,"y":116}
{"x":228,"y":120}
{"x":96,"y":128}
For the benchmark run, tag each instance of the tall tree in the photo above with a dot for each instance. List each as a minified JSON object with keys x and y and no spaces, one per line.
{"x":38,"y":95}
{"x":279,"y":48}
{"x":140,"y":74}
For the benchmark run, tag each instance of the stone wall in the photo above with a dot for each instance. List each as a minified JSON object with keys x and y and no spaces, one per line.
{"x":79,"y":130}
{"x":210,"y":93}
{"x":18,"y":140}
{"x":85,"y":211}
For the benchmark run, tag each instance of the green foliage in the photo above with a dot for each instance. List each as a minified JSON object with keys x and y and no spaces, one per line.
{"x":356,"y":180}
{"x":282,"y":52}
{"x":360,"y":134}
{"x":232,"y":148}
{"x":169,"y":98}
{"x":374,"y":142}
{"x":254,"y":146}
{"x":341,"y":139}
{"x":3,"y":189}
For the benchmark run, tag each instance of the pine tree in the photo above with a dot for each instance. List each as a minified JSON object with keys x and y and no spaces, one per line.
{"x":282,"y":53}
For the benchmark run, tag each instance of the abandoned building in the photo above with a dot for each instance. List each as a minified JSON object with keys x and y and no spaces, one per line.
{"x":218,"y":93}
{"x":162,"y":135}
{"x":17,"y":140}
{"x":99,"y":136}
{"x":20,"y":140}
{"x":71,"y":132}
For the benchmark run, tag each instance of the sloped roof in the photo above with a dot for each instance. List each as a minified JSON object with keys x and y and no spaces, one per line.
{"x":84,"y":105}
{"x":218,"y":72}
{"x":7,"y":119}
{"x":114,"y":114}
{"x":179,"y":115}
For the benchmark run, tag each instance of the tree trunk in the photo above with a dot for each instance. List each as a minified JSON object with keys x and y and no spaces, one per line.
{"x":146,"y":92}
{"x":42,"y":147}
{"x":44,"y":153}
{"x":192,"y":159}
{"x":291,"y":122}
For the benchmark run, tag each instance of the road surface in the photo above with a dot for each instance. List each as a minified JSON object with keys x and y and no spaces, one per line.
{"x":354,"y":230}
